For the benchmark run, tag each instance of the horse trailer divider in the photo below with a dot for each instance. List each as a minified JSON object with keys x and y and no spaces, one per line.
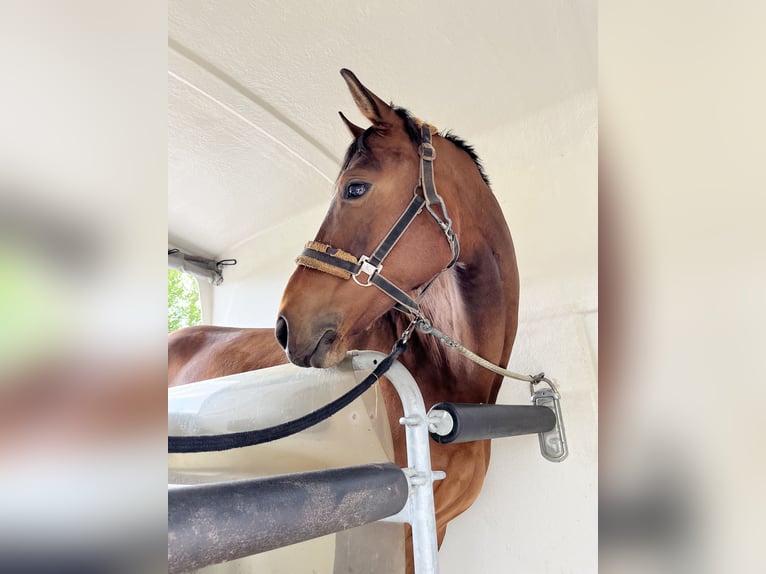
{"x":216,"y":522}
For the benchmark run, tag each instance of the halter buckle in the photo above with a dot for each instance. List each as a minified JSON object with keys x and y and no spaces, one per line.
{"x":427,"y":151}
{"x":368,"y":269}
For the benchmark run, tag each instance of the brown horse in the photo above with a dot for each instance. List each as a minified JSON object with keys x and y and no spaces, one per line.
{"x":322,"y":316}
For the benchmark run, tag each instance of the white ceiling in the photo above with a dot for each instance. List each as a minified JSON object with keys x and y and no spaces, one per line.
{"x":254,"y":91}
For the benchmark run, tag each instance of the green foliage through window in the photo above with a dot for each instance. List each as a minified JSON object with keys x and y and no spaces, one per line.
{"x":183,"y":300}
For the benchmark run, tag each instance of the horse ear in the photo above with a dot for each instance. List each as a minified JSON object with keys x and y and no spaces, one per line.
{"x":371,"y":106}
{"x":355,"y":130}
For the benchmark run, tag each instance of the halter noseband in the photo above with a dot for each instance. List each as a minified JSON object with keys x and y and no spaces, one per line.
{"x":366,"y":271}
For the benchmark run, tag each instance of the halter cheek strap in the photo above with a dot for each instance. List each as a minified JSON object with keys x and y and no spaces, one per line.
{"x":366,"y":271}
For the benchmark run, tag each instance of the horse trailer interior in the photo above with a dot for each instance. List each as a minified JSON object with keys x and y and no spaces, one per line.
{"x":254,"y":148}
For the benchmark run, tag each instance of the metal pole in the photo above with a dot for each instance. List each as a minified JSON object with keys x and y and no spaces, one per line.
{"x":420,"y":509}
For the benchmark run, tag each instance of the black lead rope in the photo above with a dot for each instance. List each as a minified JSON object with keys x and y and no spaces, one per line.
{"x":219,"y":442}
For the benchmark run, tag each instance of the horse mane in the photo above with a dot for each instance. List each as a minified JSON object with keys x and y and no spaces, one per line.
{"x":359,"y":145}
{"x":469,"y":149}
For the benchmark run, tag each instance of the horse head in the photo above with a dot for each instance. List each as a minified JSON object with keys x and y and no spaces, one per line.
{"x":322,"y":311}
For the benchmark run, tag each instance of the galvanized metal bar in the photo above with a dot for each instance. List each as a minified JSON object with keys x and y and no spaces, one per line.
{"x":420,"y":505}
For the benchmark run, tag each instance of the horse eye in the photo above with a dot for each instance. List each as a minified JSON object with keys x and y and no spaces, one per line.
{"x":356,"y":189}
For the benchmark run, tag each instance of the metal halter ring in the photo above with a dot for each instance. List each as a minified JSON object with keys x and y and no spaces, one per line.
{"x":368,"y":269}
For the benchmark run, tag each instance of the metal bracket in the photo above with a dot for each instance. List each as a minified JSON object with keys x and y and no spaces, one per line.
{"x":553,"y":443}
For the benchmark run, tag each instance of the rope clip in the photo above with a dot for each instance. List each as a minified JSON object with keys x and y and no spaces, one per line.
{"x":407,"y":333}
{"x":424,"y":325}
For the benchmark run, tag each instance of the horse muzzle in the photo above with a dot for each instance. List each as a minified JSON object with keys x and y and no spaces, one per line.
{"x":309,"y":345}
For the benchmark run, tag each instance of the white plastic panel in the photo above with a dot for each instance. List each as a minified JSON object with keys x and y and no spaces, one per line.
{"x":358,"y":434}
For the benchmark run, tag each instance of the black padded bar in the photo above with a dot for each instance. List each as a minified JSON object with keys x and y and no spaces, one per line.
{"x":213,"y":523}
{"x":479,"y":422}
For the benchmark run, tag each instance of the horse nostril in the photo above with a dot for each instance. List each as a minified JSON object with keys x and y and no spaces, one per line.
{"x":281,"y":332}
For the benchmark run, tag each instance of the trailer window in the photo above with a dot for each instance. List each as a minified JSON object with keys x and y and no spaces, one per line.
{"x":184,"y":307}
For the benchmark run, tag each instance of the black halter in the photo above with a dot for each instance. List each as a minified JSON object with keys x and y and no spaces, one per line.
{"x":366,"y":270}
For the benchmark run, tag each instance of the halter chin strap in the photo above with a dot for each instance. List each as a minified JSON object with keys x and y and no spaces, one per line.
{"x":366,"y":271}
